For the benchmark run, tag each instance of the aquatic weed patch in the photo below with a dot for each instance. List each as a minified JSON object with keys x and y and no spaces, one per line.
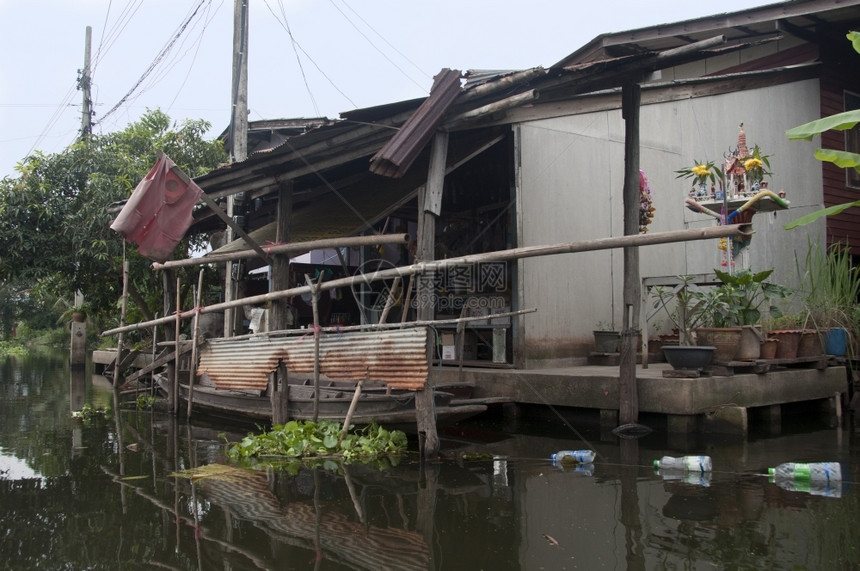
{"x":323,"y":440}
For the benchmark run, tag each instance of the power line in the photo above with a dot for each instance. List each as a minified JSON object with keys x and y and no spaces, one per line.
{"x":389,"y":44}
{"x":164,"y":51}
{"x":296,"y":44}
{"x":406,"y":75}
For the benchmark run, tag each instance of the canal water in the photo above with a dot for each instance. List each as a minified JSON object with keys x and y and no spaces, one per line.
{"x":114,"y":493}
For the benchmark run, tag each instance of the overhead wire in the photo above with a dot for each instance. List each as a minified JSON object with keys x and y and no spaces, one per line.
{"x":297,"y":45}
{"x":157,"y":60}
{"x":293,"y":43}
{"x":406,"y":75}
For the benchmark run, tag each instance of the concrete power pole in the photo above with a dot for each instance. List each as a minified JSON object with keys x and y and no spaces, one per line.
{"x":78,"y":344}
{"x":84,"y":82}
{"x":238,"y":131}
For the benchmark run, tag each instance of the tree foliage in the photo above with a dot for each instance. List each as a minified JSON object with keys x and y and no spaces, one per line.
{"x":55,"y":216}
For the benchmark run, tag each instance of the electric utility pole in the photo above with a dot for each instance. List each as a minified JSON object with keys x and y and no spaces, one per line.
{"x":84,"y":81}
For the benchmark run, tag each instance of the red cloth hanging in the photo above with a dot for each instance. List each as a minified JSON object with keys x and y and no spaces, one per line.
{"x":159,"y":210}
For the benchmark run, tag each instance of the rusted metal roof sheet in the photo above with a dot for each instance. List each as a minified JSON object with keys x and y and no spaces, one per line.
{"x":397,"y":357}
{"x":395,"y":158}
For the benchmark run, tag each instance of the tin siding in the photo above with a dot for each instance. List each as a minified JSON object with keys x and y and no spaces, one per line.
{"x":571,"y":176}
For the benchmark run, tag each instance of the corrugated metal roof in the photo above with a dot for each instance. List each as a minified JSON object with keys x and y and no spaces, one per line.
{"x":395,"y":158}
{"x":397,"y":357}
{"x":798,"y":17}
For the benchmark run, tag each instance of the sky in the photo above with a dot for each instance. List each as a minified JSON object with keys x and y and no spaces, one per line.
{"x":306,"y":58}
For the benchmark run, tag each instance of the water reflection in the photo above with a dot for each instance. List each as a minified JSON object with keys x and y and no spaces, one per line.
{"x":111,"y":493}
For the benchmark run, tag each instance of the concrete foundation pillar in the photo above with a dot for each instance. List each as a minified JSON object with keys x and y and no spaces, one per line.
{"x":608,"y":418}
{"x":728,"y":420}
{"x":771,"y":417}
{"x":681,"y":423}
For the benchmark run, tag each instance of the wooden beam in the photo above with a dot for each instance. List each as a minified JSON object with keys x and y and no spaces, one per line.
{"x":424,"y":399}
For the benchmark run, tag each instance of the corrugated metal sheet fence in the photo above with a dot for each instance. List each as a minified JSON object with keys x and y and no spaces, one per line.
{"x":396,"y":356}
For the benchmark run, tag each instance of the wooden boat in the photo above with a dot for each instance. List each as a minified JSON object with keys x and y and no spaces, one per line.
{"x":376,"y":403}
{"x":234,"y":378}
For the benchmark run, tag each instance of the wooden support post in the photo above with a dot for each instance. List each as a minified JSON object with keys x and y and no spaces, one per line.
{"x":279,"y":394}
{"x":627,"y":390}
{"x":315,"y":298}
{"x":425,"y":420}
{"x":194,"y":334}
{"x":279,"y":317}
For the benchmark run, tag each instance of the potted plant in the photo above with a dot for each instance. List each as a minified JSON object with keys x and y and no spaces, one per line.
{"x":686,"y":309}
{"x":606,"y":337}
{"x":786,"y":329}
{"x":74,"y":313}
{"x":830,"y":285}
{"x":735,"y":312}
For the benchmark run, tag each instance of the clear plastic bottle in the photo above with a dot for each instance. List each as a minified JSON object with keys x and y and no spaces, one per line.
{"x":572,"y":457}
{"x":689,"y":463}
{"x":683,"y":475}
{"x":815,"y":471}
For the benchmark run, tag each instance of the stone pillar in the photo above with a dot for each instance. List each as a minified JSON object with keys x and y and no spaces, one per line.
{"x":78,"y":357}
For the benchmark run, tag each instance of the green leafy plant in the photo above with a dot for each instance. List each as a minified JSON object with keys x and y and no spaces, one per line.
{"x":145,"y":402}
{"x":739,"y":299}
{"x":830,"y":285}
{"x":842,"y":159}
{"x":324,"y":439}
{"x":88,"y":413}
{"x":605,"y":326}
{"x":686,"y":307}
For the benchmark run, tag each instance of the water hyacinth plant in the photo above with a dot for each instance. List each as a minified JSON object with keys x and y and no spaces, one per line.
{"x":323,"y":439}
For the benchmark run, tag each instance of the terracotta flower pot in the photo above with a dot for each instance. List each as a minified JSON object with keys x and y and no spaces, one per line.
{"x":809,"y":344}
{"x":768,"y":348}
{"x":725,"y":339}
{"x":788,"y":341}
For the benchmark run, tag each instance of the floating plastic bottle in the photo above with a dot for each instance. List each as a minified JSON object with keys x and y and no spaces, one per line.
{"x":804,"y":472}
{"x":572,"y":457}
{"x":686,"y":476}
{"x":688,"y":463}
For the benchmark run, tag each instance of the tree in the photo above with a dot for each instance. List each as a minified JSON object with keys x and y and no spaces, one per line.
{"x":842,"y":159}
{"x":55,"y":217}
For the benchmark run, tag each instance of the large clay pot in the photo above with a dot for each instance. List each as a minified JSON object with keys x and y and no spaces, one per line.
{"x":788,"y":341}
{"x":692,"y":357}
{"x":725,"y":340}
{"x":768,"y":348}
{"x":749,"y":345}
{"x":809,"y":344}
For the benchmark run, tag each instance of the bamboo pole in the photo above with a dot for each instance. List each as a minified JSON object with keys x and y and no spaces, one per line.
{"x":122,"y":312}
{"x":176,"y":349}
{"x":499,"y":256}
{"x":352,"y":404}
{"x":392,"y":297}
{"x":291,"y":249}
{"x":194,"y":333}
